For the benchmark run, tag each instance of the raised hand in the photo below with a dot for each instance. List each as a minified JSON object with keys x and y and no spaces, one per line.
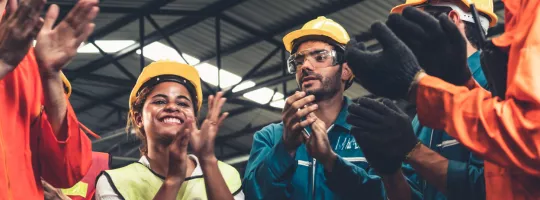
{"x":56,"y":46}
{"x":383,"y":132}
{"x":296,"y":107}
{"x":438,"y":44}
{"x":317,"y":143}
{"x":203,"y":140}
{"x":388,"y":73}
{"x":18,"y":28}
{"x":178,"y":153}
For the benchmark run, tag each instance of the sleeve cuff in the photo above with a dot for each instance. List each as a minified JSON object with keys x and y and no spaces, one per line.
{"x":280,"y":161}
{"x":456,"y":177}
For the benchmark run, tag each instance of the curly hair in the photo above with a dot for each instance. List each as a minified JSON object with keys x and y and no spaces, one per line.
{"x":136,"y":108}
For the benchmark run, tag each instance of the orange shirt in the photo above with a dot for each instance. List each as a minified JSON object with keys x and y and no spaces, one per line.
{"x":506,"y":133}
{"x":28,"y":146}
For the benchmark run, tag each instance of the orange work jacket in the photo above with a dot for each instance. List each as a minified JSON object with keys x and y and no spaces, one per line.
{"x":506,"y":133}
{"x":29,"y":148}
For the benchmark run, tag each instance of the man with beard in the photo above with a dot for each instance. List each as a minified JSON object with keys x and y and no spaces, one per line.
{"x":311,"y":155}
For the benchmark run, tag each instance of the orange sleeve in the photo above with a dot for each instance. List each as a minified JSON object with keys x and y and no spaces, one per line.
{"x":504,"y":132}
{"x":64,"y":163}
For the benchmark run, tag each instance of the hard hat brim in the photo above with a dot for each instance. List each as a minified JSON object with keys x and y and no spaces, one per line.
{"x":292,"y":36}
{"x":399,"y":8}
{"x":492,"y":16}
{"x":160,"y":68}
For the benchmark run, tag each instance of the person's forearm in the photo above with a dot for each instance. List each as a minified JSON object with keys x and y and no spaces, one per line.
{"x":169,"y":189}
{"x":216,"y":188}
{"x":396,"y":186}
{"x":55,"y":103}
{"x":5,"y":69}
{"x":431,"y":166}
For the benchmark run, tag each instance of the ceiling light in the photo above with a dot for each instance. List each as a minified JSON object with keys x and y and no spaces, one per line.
{"x":278,"y":104}
{"x":159,"y":51}
{"x":109,"y":46}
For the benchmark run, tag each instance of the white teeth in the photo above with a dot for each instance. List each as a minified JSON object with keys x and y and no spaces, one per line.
{"x":171,"y":120}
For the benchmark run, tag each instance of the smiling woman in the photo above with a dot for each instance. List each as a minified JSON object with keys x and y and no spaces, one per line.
{"x":164,"y":106}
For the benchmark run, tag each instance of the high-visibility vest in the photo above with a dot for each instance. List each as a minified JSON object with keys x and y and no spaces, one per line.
{"x":85,"y":189}
{"x":136,"y":181}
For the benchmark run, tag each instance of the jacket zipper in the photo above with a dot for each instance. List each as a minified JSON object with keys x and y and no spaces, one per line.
{"x":314,"y":167}
{"x":313,"y":178}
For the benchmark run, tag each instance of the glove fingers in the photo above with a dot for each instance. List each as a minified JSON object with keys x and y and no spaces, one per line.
{"x":359,"y":110}
{"x":357,"y":55}
{"x":406,"y":30}
{"x":452,"y":31}
{"x":385,"y":36}
{"x":362,"y":124}
{"x":355,"y":44}
{"x":423,"y":19}
{"x":392,"y":106}
{"x":374,"y":105}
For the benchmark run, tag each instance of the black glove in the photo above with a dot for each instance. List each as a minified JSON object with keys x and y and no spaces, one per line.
{"x":383,"y":132}
{"x":437,"y":43}
{"x":387,"y":73}
{"x":494,"y":64}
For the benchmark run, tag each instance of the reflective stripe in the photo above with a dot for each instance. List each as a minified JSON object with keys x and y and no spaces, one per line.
{"x":448,"y":143}
{"x":304,"y":163}
{"x":355,"y":159}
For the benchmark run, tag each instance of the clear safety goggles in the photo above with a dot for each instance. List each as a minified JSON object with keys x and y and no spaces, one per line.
{"x":317,"y":57}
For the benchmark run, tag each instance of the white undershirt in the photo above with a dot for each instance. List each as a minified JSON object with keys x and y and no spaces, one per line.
{"x":104,"y":191}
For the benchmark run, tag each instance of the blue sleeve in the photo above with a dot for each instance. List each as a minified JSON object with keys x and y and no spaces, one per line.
{"x":414,"y":181}
{"x":466,"y":180}
{"x":270,"y":168}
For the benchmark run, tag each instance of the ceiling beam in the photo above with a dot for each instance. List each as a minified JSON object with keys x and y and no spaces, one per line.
{"x":92,"y":98}
{"x":266,"y":83}
{"x":170,"y":29}
{"x":245,"y":131}
{"x":99,"y":101}
{"x":117,"y":82}
{"x":322,"y":10}
{"x":250,"y":30}
{"x":128,"y":10}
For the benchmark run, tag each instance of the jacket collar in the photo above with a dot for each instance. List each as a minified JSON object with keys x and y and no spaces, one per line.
{"x":476,"y":69}
{"x":341,"y":120}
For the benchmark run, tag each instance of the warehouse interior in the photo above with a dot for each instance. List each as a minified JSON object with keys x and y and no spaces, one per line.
{"x":236,"y":45}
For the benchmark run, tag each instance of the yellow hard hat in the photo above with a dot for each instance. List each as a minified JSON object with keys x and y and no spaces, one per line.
{"x":320,"y":26}
{"x":162,"y":71}
{"x":483,"y":6}
{"x":67,"y":85}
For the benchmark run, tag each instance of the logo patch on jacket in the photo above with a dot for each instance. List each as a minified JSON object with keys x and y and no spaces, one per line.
{"x":346,"y":143}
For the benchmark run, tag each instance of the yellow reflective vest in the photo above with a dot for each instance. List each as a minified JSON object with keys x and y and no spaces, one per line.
{"x":136,"y":181}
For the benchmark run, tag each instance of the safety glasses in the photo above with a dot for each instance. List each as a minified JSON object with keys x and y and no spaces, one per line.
{"x":317,"y":57}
